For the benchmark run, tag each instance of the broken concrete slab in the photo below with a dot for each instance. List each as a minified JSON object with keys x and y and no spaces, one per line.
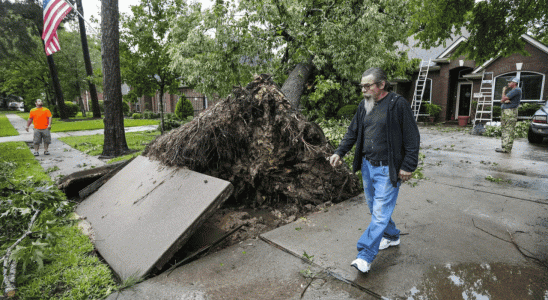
{"x":89,"y":180}
{"x":147,"y":211}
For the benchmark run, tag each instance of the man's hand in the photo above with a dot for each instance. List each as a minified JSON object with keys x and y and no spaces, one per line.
{"x":504,"y":89}
{"x":335,"y":160}
{"x":404,"y":175}
{"x":27,"y":129}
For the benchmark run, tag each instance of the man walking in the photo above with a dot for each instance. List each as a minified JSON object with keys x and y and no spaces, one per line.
{"x":41,"y":118}
{"x":387,"y":151}
{"x":509,"y":115}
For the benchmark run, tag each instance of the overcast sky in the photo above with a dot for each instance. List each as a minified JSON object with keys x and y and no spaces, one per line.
{"x":93,"y":7}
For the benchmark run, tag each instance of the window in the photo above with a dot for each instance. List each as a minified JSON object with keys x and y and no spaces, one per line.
{"x":531,"y":85}
{"x":427,"y":96}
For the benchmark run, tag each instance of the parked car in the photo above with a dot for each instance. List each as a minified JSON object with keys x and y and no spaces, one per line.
{"x":539,"y":125}
{"x":20,"y":106}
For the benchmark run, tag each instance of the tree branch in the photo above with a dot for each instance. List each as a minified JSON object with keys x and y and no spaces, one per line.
{"x":10,"y":265}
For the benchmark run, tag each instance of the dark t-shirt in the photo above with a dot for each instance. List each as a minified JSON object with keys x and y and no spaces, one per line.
{"x":375,"y":145}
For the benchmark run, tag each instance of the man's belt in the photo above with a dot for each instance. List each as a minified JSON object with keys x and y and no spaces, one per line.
{"x":378,"y":163}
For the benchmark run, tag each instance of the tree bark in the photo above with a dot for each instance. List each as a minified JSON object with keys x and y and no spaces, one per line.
{"x":162,"y":108}
{"x":89,"y":70}
{"x":57,"y":87}
{"x":115,"y":139}
{"x":294,"y":85}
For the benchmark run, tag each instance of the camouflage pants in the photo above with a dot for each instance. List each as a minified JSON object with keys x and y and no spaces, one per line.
{"x":508,"y":118}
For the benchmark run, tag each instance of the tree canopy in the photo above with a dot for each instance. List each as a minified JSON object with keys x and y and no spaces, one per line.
{"x":495,"y":26}
{"x":235,"y":40}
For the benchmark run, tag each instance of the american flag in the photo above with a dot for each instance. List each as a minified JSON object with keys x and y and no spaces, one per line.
{"x":54,"y":12}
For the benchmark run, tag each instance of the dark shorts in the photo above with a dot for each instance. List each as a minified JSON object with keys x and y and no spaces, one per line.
{"x":40,"y":134}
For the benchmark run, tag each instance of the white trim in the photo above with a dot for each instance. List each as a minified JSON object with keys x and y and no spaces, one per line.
{"x":453,"y":46}
{"x":458,"y":98}
{"x":484,"y":65}
{"x":535,"y":43}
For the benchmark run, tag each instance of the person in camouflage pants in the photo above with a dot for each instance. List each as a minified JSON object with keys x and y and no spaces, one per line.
{"x":509,"y":115}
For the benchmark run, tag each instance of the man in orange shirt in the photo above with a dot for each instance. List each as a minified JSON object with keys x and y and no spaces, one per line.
{"x":41,"y":117}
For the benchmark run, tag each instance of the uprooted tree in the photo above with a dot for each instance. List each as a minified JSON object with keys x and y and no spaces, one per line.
{"x":268,"y":151}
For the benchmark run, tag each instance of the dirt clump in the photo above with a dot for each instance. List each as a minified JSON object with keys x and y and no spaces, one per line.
{"x":269,"y":152}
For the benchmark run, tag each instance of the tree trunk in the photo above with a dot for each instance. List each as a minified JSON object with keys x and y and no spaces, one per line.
{"x":162,"y":108}
{"x":294,"y":85}
{"x":78,"y":88}
{"x":89,"y":70}
{"x":57,"y":87}
{"x":115,"y":139}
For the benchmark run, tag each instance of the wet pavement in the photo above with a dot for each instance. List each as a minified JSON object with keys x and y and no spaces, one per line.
{"x":462,"y":232}
{"x":476,"y":228}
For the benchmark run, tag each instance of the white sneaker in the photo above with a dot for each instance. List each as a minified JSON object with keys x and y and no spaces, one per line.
{"x":361,"y":265}
{"x":385,"y":243}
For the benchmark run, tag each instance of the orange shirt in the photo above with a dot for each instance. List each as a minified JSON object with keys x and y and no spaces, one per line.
{"x":40,"y":117}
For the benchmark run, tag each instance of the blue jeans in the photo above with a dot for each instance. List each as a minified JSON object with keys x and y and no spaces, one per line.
{"x":381,"y":198}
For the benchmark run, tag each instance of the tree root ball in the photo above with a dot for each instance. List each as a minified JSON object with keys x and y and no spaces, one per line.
{"x":269,"y":152}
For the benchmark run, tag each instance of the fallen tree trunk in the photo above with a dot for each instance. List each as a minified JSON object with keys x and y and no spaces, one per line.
{"x":268,"y":151}
{"x":294,"y":84}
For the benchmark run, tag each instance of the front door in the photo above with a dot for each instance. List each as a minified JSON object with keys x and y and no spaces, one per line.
{"x":464,"y":99}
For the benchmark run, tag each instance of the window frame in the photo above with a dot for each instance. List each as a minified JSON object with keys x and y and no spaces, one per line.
{"x":518,"y":73}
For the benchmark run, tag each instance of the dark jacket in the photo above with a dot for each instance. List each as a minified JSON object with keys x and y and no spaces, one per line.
{"x":403,"y":137}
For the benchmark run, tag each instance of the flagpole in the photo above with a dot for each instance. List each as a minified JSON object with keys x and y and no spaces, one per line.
{"x":89,"y":25}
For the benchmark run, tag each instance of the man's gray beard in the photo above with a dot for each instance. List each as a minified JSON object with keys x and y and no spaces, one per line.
{"x":368,"y":103}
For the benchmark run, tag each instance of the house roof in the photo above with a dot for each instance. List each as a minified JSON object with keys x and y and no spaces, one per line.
{"x":443,"y":53}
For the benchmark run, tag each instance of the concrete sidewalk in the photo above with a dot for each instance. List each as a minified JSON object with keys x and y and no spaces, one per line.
{"x":458,"y":235}
{"x":63,"y":157}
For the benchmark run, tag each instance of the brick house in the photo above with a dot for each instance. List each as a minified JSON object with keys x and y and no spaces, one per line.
{"x":453,"y":84}
{"x":199,"y":101}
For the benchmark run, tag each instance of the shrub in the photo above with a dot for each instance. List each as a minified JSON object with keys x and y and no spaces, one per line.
{"x":125,"y":108}
{"x":184,"y":108}
{"x":432,"y":109}
{"x":496,"y":111}
{"x":347,"y":111}
{"x":147,"y":114}
{"x":136,"y":116}
{"x":528,"y":109}
{"x":519,"y":132}
{"x":71,"y":110}
{"x":170,"y":124}
{"x":170,"y":116}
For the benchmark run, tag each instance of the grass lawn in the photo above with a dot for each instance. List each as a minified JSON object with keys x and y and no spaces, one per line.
{"x":61,"y":264}
{"x":93,"y":144}
{"x":63,"y":126}
{"x":6,"y":129}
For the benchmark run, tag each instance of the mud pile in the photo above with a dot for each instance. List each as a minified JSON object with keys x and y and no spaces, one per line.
{"x":269,"y":152}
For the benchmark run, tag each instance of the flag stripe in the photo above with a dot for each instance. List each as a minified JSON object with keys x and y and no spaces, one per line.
{"x":54,"y":12}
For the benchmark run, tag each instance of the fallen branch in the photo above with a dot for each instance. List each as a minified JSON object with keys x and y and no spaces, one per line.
{"x":542,"y":263}
{"x":513,"y":242}
{"x":10,"y":266}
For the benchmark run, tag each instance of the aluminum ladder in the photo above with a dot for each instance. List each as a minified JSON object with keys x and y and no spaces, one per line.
{"x":420,"y":84}
{"x":484,"y":108}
